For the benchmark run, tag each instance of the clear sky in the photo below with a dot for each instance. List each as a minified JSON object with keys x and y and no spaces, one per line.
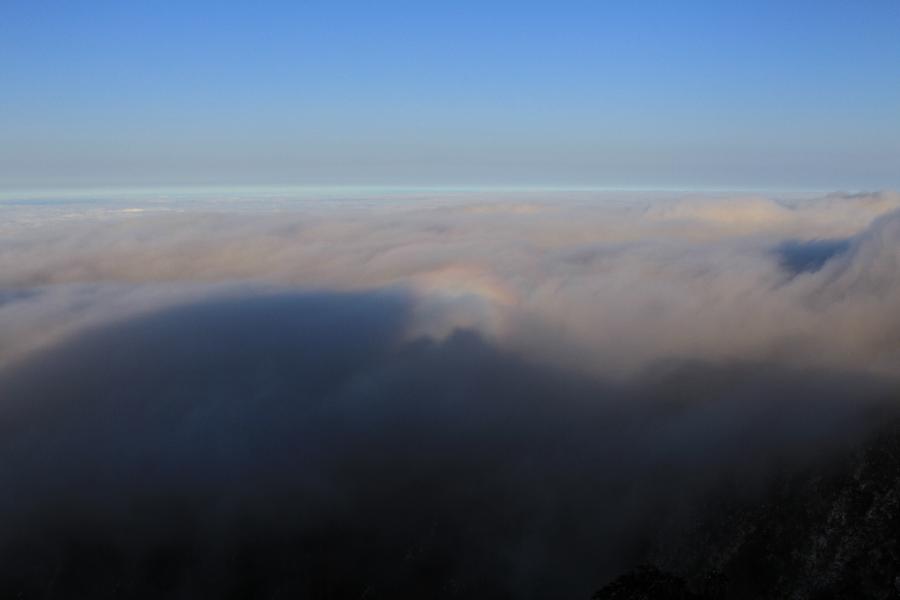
{"x":687,"y":94}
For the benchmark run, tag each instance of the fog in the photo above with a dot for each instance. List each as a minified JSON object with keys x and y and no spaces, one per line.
{"x":448,"y":395}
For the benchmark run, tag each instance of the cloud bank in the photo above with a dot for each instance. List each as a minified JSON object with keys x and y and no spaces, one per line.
{"x":615,"y":285}
{"x":497,"y":396}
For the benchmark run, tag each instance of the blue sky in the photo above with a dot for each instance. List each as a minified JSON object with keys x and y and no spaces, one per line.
{"x":633,"y":94}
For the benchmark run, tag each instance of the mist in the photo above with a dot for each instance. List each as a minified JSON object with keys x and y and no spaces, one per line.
{"x":509,"y":395}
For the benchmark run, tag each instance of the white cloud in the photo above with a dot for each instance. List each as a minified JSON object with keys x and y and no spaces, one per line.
{"x":594,"y":283}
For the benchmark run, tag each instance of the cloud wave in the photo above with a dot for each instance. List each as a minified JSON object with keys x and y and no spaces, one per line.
{"x":504,"y":397}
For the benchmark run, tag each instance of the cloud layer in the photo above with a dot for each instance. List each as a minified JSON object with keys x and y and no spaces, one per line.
{"x":612,"y":284}
{"x":458,"y":396}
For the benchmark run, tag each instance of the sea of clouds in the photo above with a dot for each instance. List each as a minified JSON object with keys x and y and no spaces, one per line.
{"x":492,"y":394}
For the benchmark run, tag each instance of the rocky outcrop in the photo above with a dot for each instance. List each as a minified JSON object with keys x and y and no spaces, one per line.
{"x":832,"y":532}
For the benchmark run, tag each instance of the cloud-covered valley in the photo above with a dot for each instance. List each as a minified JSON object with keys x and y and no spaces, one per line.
{"x":611,"y":285}
{"x":489,"y":395}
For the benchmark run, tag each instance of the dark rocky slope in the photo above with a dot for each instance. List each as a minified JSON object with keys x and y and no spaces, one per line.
{"x":832,"y":532}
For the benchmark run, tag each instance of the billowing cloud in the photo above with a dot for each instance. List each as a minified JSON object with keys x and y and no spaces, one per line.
{"x":448,"y":396}
{"x":614,"y":285}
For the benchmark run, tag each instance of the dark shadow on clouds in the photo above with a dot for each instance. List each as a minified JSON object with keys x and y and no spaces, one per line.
{"x":297,"y":445}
